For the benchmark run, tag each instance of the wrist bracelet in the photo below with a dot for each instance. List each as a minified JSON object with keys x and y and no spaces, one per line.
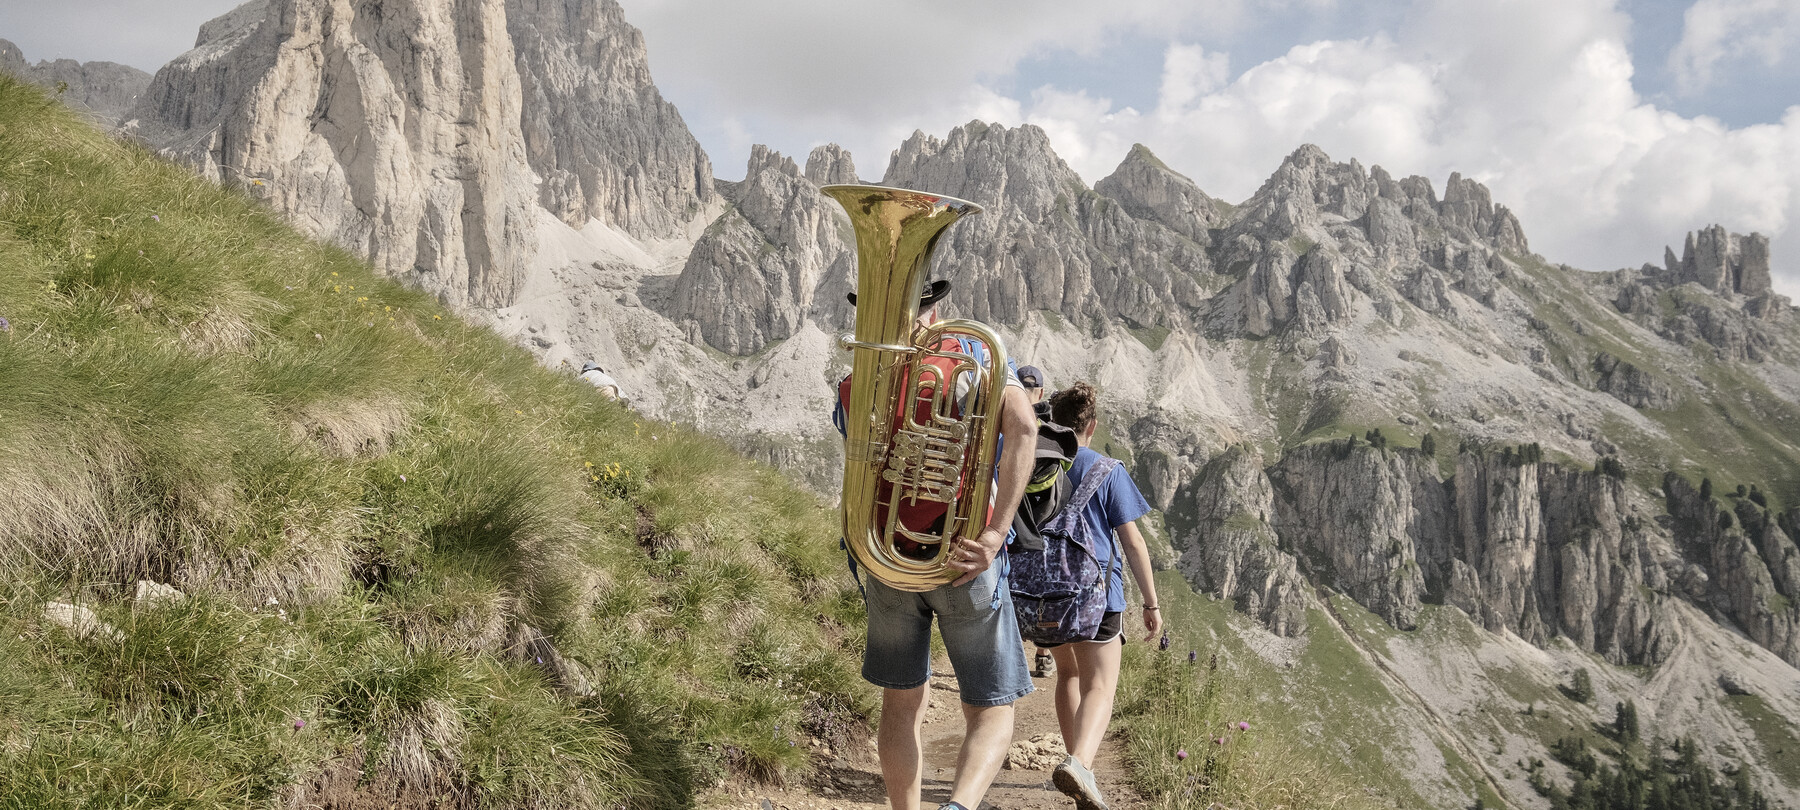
{"x":1153,"y":607}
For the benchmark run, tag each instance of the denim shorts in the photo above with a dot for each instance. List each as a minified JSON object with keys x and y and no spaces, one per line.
{"x":982,"y":639}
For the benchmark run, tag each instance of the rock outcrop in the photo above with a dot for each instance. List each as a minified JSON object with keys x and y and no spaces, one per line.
{"x":1231,"y":551}
{"x":1537,"y":549}
{"x":1632,"y":385}
{"x":780,"y":255}
{"x":1363,"y":513}
{"x":1722,"y":262}
{"x":391,"y":130}
{"x":107,"y":90}
{"x":597,"y":131}
{"x":1753,"y":564}
{"x":830,"y":165}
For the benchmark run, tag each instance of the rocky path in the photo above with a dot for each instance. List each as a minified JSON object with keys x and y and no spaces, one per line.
{"x":852,"y":780}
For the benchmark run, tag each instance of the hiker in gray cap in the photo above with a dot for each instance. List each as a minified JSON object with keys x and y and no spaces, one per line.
{"x":1033,"y":379}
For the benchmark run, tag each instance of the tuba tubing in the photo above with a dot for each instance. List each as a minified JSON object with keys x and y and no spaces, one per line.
{"x":890,"y":457}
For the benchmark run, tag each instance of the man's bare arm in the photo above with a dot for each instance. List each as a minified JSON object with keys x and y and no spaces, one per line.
{"x":1018,"y":427}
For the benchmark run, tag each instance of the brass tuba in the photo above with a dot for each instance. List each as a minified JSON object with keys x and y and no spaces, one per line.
{"x":891,"y":456}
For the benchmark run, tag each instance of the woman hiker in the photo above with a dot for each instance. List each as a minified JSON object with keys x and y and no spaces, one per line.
{"x":1087,"y":672}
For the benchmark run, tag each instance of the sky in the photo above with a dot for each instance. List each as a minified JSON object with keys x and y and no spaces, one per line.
{"x":1609,"y":127}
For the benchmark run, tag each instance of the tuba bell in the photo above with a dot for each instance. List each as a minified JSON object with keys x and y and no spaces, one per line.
{"x":908,"y":438}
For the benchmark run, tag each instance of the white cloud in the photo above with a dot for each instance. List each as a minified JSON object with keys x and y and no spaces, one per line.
{"x":1189,"y":72}
{"x":1533,"y":98}
{"x":1716,"y":31}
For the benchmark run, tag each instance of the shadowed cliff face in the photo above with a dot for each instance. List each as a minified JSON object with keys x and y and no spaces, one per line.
{"x":1537,"y":549}
{"x":1751,"y":563}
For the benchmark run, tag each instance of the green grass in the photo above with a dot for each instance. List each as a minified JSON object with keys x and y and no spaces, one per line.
{"x":1168,"y":706}
{"x":376,"y":511}
{"x":1779,"y":739}
{"x":1152,"y":337}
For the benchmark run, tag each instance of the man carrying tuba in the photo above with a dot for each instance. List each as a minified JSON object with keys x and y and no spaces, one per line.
{"x":974,"y":611}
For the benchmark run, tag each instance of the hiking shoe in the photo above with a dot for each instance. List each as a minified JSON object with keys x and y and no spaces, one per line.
{"x":1077,"y":782}
{"x":1046,"y":666}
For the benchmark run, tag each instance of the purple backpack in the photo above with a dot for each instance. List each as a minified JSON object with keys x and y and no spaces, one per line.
{"x":1059,"y":592}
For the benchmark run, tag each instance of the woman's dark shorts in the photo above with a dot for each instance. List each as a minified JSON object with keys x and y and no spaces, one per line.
{"x":1108,"y":630}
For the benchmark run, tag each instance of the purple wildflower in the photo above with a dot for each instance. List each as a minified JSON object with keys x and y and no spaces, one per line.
{"x":1192,"y":655}
{"x":1181,"y":754}
{"x":1243,"y":726}
{"x":1218,"y":741}
{"x":540,"y":659}
{"x":155,"y":217}
{"x":5,"y":325}
{"x":299,"y":724}
{"x":1164,"y":644}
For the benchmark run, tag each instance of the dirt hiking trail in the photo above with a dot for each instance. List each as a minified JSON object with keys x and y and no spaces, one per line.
{"x":851,"y":780}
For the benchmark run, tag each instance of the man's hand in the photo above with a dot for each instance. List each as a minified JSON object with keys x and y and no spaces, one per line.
{"x":974,"y":556}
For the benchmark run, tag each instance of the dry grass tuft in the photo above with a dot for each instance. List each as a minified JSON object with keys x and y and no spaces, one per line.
{"x":351,"y":428}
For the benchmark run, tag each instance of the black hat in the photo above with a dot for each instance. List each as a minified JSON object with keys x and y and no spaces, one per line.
{"x":587,"y":367}
{"x":1030,"y":377}
{"x":933,"y":293}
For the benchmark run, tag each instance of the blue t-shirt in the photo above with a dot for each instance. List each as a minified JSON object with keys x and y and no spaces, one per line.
{"x":1116,"y":503}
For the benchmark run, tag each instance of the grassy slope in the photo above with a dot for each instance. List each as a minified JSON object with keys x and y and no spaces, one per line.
{"x":368,"y":502}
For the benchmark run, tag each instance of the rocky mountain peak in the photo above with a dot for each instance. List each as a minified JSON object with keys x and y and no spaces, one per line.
{"x":989,"y":164}
{"x":332,"y":115}
{"x":232,"y":22}
{"x":773,"y":261}
{"x":106,"y":90}
{"x":429,"y":137}
{"x":830,"y":164}
{"x":1150,"y":190}
{"x":598,"y":132}
{"x":1722,"y":262}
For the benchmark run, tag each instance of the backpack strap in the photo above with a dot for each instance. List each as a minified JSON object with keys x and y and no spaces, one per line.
{"x":1090,"y":484}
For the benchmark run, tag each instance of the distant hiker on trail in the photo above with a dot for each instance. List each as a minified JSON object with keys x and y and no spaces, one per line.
{"x":594,"y":374}
{"x":974,"y":616}
{"x":1087,"y":672}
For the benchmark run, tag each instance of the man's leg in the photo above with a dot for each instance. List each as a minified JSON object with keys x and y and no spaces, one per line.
{"x":982,"y":639}
{"x":985,"y":742}
{"x":898,"y":745}
{"x":1098,"y":663}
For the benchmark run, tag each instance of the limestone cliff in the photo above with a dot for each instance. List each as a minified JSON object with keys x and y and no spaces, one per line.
{"x":428,"y":137}
{"x":1752,"y":563}
{"x":597,"y":131}
{"x":392,"y":130}
{"x":1533,"y":548}
{"x":780,"y":255}
{"x":1231,"y":551}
